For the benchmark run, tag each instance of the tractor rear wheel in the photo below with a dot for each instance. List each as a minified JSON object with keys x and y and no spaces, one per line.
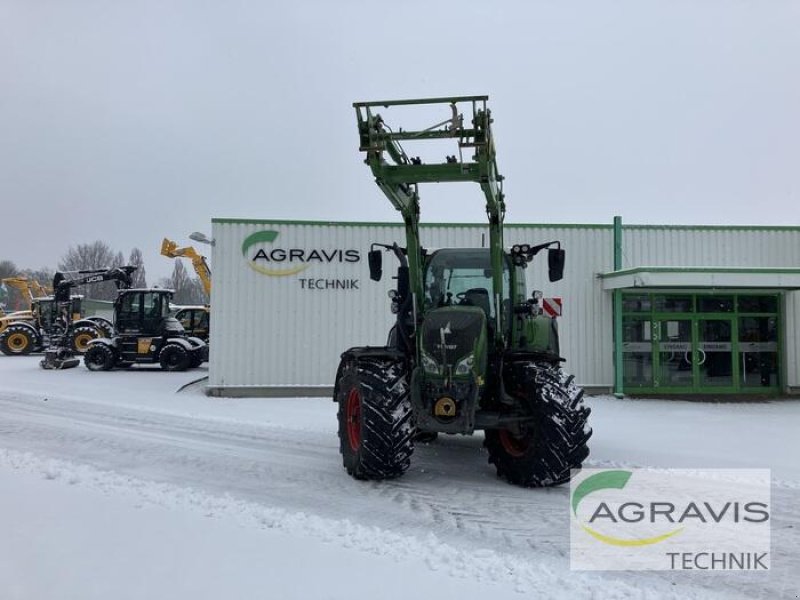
{"x":174,"y":357}
{"x":81,"y":336}
{"x":99,"y":357}
{"x":18,"y":339}
{"x":542,"y":451}
{"x":376,"y":425}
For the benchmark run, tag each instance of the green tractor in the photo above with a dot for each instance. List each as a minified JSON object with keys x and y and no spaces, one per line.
{"x":469,"y":350}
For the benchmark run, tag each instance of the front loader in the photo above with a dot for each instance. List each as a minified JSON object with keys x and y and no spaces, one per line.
{"x":469,"y":349}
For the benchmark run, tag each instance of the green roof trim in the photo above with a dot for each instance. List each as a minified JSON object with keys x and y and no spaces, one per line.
{"x":609,"y":227}
{"x":400,"y":224}
{"x":746,"y":270}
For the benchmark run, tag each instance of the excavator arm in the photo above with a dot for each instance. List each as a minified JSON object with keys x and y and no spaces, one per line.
{"x":64,"y":282}
{"x":170,"y":250}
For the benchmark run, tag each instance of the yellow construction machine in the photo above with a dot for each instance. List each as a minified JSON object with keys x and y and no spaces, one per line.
{"x":26,"y":331}
{"x":195,"y":319}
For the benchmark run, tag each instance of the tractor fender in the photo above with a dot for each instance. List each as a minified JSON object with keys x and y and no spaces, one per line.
{"x":197,"y":342}
{"x":110,"y":342}
{"x":384,"y":352}
{"x":181,"y":341}
{"x":84,"y":323}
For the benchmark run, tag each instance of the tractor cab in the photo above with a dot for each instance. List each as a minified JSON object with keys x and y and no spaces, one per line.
{"x":463,"y":277}
{"x":145,"y":312}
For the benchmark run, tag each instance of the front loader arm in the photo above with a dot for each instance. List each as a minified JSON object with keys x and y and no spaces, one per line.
{"x":398,"y":175}
{"x":170,"y":250}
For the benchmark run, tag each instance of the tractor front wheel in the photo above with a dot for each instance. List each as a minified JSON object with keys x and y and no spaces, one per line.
{"x":99,"y":357}
{"x":376,"y":428}
{"x":543,"y":450}
{"x":174,"y":357}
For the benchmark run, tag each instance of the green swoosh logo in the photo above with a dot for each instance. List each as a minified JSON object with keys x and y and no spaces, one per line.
{"x":599,"y":481}
{"x":607,"y":480}
{"x":257,"y":238}
{"x":267,"y":237}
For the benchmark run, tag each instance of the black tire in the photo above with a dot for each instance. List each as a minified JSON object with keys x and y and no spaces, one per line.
{"x":544,"y":451}
{"x":99,"y":357}
{"x":174,"y":357}
{"x":197,"y":359}
{"x":18,"y":339}
{"x":81,"y":336}
{"x":376,"y":424}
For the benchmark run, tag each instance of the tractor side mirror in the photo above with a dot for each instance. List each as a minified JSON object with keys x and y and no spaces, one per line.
{"x":375,"y":259}
{"x":555,"y":263}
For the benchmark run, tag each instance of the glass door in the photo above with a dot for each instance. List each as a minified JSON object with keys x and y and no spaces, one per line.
{"x":674,"y":354}
{"x":714,"y":353}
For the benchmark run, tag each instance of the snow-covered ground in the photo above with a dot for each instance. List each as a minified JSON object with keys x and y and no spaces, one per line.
{"x":112,"y":485}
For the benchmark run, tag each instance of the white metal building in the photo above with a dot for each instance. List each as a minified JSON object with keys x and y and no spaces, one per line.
{"x":647,"y":309}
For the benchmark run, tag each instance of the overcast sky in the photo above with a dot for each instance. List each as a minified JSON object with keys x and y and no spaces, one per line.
{"x":130,"y":121}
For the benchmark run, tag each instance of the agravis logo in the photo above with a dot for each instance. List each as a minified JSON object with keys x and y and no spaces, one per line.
{"x":266,"y":237}
{"x":274,"y":261}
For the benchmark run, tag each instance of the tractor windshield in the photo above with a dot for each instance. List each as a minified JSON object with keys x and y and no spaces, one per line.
{"x":462,"y":277}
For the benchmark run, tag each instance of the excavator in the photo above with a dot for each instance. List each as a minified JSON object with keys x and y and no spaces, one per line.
{"x":195,"y":319}
{"x":143,"y":330}
{"x":60,"y":353}
{"x":26,"y":331}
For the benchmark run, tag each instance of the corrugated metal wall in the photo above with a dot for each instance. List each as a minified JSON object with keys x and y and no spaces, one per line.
{"x":723,"y":247}
{"x":273,"y":330}
{"x":709,"y":247}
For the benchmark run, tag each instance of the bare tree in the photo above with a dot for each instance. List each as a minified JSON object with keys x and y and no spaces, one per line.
{"x":7,"y":269}
{"x":188,"y":289}
{"x":139,"y":275}
{"x":97,"y":255}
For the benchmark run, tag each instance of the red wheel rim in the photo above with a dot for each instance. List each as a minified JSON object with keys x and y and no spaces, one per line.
{"x":514,"y":446}
{"x":353,"y":419}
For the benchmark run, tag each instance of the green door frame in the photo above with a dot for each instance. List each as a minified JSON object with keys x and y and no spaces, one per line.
{"x":656,"y":318}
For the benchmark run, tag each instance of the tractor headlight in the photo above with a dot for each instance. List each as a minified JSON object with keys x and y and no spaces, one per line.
{"x":429,"y":365}
{"x":464,"y":366}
